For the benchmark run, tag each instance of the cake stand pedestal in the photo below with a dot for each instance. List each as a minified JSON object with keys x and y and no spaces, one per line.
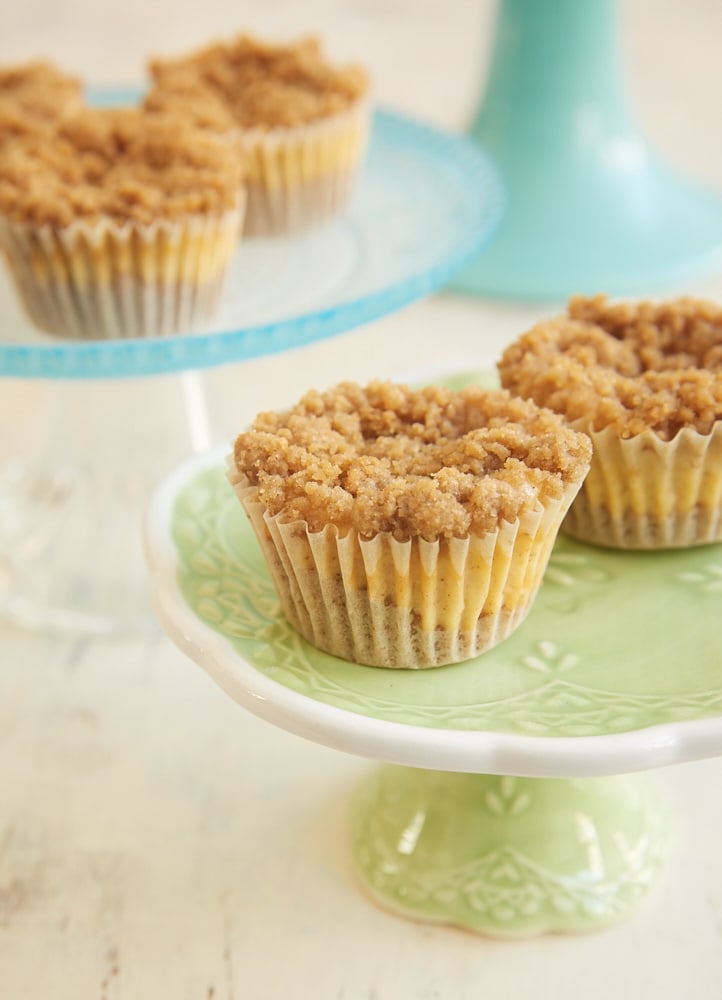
{"x":590,"y":206}
{"x":515,"y":796}
{"x":120,"y":412}
{"x":509,"y":856}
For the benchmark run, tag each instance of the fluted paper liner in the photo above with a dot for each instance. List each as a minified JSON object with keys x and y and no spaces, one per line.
{"x":92,"y":281}
{"x":408,"y":604}
{"x":646,"y":493}
{"x":301,"y":177}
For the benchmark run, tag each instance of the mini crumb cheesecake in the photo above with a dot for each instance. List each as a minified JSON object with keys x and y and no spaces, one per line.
{"x":644,"y":381}
{"x":121,"y":223}
{"x":303,"y":123}
{"x":407,"y":528}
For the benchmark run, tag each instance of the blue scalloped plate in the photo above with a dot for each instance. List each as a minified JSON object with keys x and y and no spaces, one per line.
{"x":426,"y":203}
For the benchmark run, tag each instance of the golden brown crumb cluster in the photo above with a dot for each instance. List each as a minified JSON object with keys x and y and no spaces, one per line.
{"x":430,"y":462}
{"x":203,"y":108}
{"x":118,"y":164}
{"x":262,"y":86}
{"x":34,"y":95}
{"x":631,"y":366}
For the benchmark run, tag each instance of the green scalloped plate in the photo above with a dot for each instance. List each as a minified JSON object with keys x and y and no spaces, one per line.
{"x":618,"y":667}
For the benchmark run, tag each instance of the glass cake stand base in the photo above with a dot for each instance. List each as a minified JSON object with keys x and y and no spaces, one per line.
{"x":71,"y":501}
{"x":508,"y":856}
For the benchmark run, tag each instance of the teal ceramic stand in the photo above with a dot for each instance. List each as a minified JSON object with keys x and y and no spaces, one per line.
{"x":590,"y":207}
{"x":509,"y":856}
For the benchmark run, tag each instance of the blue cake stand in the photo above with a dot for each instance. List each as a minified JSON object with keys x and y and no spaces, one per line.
{"x":590,"y":206}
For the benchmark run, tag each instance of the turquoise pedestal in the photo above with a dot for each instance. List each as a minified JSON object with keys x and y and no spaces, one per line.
{"x":590,"y":207}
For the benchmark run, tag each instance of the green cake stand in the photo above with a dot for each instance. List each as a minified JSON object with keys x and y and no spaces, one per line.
{"x":517,"y":794}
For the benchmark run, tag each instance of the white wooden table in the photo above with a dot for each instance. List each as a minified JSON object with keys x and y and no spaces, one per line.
{"x":158,"y":842}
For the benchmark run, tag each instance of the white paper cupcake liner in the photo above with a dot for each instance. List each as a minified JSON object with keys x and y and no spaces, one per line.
{"x":299,"y":178}
{"x":646,"y":493}
{"x":412,"y":604}
{"x":103,"y":280}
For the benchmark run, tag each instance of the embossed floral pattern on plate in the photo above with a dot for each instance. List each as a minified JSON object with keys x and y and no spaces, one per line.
{"x":615,"y":642}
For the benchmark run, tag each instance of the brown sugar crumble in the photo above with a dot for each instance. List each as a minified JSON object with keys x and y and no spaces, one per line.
{"x":117,"y":164}
{"x":630,"y":366}
{"x":38,"y":91}
{"x":262,"y":86}
{"x":203,"y":108}
{"x":34,"y":96}
{"x":430,"y":462}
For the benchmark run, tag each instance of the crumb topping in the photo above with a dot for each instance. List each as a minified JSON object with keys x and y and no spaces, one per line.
{"x":35,"y":95}
{"x":120,"y":164}
{"x":430,"y":462}
{"x":631,"y":366}
{"x":202,"y":107}
{"x":261,"y":85}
